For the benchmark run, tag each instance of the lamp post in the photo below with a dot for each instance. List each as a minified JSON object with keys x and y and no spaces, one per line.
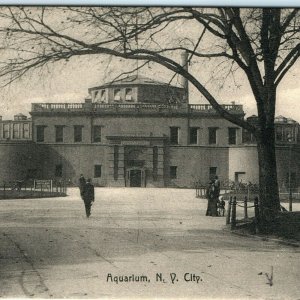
{"x":290,"y":139}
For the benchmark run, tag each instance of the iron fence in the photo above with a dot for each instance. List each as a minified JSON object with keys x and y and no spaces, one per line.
{"x":30,"y":188}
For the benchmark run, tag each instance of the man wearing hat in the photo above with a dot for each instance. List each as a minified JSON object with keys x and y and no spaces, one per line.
{"x":88,"y":197}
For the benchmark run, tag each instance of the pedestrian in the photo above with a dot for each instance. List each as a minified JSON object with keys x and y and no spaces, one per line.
{"x":81,"y":184}
{"x":88,"y":196}
{"x":209,"y":197}
{"x":221,"y":206}
{"x":217,"y":186}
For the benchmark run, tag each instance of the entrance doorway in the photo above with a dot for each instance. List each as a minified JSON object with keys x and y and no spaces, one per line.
{"x":135,"y":178}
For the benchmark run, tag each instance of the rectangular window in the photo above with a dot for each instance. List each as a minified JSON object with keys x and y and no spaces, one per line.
{"x":59,"y":133}
{"x":26,"y":131}
{"x":173,"y":172}
{"x":128,"y":94}
{"x":40,"y":133}
{"x":58,"y":170}
{"x":212,"y":172}
{"x":16,"y":131}
{"x":193,"y":136}
{"x":97,"y":134}
{"x":78,"y":133}
{"x":232,"y":136}
{"x":212,"y":135}
{"x":103,"y":96}
{"x":117,"y":95}
{"x":174,"y":135}
{"x":6,"y":131}
{"x":97,"y":171}
{"x":96,"y":94}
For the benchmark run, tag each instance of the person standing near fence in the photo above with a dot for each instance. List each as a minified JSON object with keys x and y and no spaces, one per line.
{"x":217,"y":186}
{"x":209,"y":197}
{"x":81,"y":185}
{"x":212,"y":195}
{"x":88,"y":196}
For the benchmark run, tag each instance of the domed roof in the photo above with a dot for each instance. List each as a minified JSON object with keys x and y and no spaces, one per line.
{"x":134,"y":80}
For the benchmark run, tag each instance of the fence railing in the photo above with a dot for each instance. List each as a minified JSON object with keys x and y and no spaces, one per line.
{"x":27,"y":189}
{"x":138,"y":107}
{"x":233,"y":203}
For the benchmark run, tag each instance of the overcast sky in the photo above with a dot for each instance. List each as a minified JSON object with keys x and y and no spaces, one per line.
{"x":69,"y":83}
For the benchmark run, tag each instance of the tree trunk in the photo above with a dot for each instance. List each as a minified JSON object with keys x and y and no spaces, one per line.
{"x":268,"y":186}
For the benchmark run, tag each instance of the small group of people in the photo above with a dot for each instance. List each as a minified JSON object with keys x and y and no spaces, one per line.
{"x":87,"y":193}
{"x":215,"y":206}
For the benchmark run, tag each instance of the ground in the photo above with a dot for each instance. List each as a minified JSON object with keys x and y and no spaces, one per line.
{"x":48,"y":248}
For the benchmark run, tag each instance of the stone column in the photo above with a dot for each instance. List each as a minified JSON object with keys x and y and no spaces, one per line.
{"x":160,"y":166}
{"x":116,"y":165}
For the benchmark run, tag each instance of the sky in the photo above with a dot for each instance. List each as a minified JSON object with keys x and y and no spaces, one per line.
{"x":70,"y":82}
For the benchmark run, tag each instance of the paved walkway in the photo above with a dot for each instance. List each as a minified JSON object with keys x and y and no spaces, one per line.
{"x":158,"y":238}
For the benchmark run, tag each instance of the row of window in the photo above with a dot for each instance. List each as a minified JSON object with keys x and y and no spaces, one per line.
{"x":118,"y":95}
{"x":59,"y":133}
{"x":19,"y":131}
{"x":174,"y":134}
{"x":212,"y":135}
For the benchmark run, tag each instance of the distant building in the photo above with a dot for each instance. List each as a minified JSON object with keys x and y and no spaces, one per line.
{"x":19,"y":155}
{"x":18,"y":129}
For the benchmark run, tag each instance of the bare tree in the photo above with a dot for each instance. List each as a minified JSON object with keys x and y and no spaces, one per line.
{"x":263,"y":43}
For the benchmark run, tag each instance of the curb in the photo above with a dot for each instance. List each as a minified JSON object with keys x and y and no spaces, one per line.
{"x":292,"y":243}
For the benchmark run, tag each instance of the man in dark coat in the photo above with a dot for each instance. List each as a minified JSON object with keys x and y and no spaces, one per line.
{"x":88,"y":196}
{"x":209,"y":197}
{"x":217,"y":185}
{"x":212,"y":193}
{"x":81,"y":184}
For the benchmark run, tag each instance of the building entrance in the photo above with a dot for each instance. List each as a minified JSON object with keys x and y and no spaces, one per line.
{"x":135,"y":178}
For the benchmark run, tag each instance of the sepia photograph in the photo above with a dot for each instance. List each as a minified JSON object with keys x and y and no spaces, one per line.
{"x":149,"y":152}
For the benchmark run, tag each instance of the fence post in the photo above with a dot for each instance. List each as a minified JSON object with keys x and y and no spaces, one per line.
{"x":4,"y":193}
{"x":233,"y":215}
{"x":229,"y":211}
{"x":248,"y":192}
{"x":246,"y":208}
{"x":256,"y":212}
